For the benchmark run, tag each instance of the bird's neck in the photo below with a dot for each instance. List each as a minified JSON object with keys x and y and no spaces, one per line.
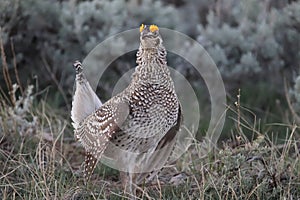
{"x":146,"y":56}
{"x":152,"y":66}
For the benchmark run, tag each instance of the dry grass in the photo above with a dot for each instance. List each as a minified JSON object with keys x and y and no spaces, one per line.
{"x":44,"y":163}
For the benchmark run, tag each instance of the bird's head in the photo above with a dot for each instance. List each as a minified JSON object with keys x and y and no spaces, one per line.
{"x":150,"y":37}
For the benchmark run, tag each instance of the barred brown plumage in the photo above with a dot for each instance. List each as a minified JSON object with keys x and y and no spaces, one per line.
{"x":145,"y":117}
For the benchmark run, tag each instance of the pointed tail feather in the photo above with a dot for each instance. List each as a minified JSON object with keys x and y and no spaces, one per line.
{"x":85,"y":101}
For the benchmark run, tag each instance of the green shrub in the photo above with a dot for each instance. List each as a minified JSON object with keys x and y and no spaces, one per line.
{"x":48,"y":36}
{"x":241,"y":39}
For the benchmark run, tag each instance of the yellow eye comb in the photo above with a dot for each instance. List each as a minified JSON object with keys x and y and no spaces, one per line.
{"x":142,"y":27}
{"x":153,"y":28}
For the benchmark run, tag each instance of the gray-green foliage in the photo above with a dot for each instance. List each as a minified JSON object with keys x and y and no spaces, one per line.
{"x":287,"y":32}
{"x":51,"y":35}
{"x":289,"y":22}
{"x":241,"y":38}
{"x":294,"y":93}
{"x":18,"y":117}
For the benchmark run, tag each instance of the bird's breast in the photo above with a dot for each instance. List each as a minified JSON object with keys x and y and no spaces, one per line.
{"x":153,"y":111}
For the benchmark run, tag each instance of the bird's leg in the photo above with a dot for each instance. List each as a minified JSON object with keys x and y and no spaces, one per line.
{"x":128,"y":182}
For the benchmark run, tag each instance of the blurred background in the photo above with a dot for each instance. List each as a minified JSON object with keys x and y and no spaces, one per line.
{"x":255,"y":44}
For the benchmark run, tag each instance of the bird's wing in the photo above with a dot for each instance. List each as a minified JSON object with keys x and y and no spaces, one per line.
{"x":97,"y":129}
{"x":162,"y":152}
{"x":170,"y":135}
{"x":85,"y":101}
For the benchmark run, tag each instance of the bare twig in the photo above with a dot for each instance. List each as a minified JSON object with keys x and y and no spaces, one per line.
{"x":15,"y":67}
{"x":5,"y":72}
{"x":3,"y":95}
{"x":60,"y":89}
{"x":238,"y":104}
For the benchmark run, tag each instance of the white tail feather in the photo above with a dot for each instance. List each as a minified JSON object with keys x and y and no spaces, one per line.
{"x":85,"y":101}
